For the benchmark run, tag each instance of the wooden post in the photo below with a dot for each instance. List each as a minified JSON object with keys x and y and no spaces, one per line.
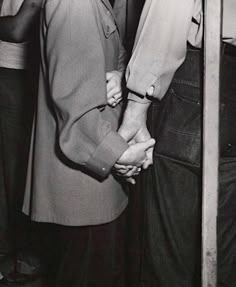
{"x":212,"y":40}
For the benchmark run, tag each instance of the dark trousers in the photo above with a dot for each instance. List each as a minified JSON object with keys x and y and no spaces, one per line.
{"x":91,"y":256}
{"x":172,"y":187}
{"x":16,"y":113}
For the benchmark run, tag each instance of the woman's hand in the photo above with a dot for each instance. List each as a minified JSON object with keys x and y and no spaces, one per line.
{"x":114,"y":88}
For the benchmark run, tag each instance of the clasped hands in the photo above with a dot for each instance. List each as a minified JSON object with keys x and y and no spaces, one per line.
{"x":139,"y":155}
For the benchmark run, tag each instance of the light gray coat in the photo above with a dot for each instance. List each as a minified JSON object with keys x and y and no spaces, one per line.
{"x":74,"y":143}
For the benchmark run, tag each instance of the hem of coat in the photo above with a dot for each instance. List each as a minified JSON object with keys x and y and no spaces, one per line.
{"x":57,"y":220}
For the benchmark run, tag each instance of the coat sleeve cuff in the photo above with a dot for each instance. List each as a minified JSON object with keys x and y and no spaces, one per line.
{"x":106,"y":154}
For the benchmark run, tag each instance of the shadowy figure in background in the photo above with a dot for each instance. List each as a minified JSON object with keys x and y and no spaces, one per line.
{"x":18,"y":85}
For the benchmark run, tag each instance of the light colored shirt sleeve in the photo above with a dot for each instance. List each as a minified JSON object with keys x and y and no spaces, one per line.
{"x":160,"y":46}
{"x":229,"y":22}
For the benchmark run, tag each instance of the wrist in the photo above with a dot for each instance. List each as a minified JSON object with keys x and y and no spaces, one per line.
{"x":138,"y":98}
{"x":136,"y":112}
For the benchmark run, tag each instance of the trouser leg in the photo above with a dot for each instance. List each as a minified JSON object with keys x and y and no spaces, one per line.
{"x":135,"y":225}
{"x":173,"y":230}
{"x":227,"y":224}
{"x":173,"y":226}
{"x":16,"y":104}
{"x":93,"y":256}
{"x":4,"y":239}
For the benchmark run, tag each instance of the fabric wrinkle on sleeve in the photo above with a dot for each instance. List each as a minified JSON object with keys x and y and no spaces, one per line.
{"x":160,"y":45}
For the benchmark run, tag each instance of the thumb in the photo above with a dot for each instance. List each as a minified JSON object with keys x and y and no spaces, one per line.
{"x":148,"y":144}
{"x":130,"y":180}
{"x":108,"y":76}
{"x":149,"y":160}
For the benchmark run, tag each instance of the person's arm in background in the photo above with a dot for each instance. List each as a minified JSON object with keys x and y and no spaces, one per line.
{"x":17,"y":28}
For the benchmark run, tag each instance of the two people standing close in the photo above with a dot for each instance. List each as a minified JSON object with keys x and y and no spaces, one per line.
{"x":75,"y":148}
{"x":77,"y":156}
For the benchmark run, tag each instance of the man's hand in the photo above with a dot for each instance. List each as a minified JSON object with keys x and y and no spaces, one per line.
{"x":136,"y":155}
{"x":141,"y":136}
{"x":114,"y":88}
{"x":133,"y":158}
{"x":134,"y":131}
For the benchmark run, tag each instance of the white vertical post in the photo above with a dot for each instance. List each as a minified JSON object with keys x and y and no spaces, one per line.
{"x":212,"y":42}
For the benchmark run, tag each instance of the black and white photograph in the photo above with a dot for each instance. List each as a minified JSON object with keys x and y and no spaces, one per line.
{"x":118,"y":143}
